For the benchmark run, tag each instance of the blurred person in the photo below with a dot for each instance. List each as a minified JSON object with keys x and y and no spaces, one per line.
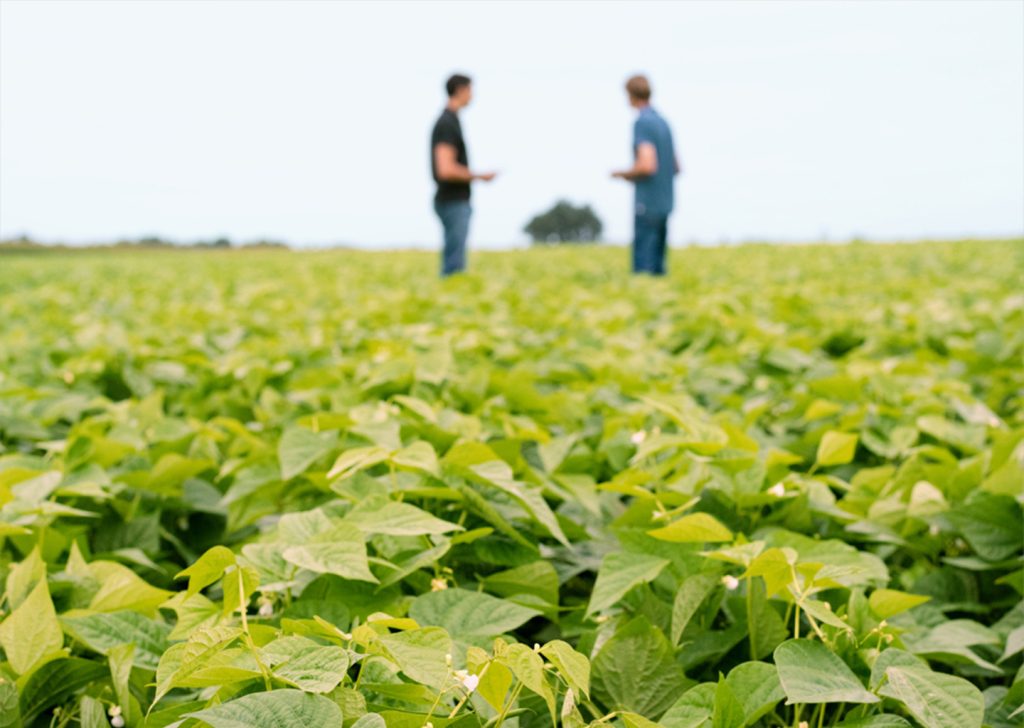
{"x":655,"y":166}
{"x":449,"y":164}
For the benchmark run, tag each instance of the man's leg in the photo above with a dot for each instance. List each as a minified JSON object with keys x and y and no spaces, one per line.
{"x":643,"y":245}
{"x":454,"y":218}
{"x":660,"y":247}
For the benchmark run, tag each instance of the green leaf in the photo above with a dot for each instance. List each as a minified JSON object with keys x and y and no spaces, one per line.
{"x":299,"y":448}
{"x":728,"y":712}
{"x":756,"y":685}
{"x":102,"y":631}
{"x":811,"y":673}
{"x":693,"y":710}
{"x":692,"y":593}
{"x":120,"y":660}
{"x":316,"y":669}
{"x":397,"y":519}
{"x":620,"y":572}
{"x":498,"y":474}
{"x":207,"y":569}
{"x":993,"y":525}
{"x":573,"y":666}
{"x":419,"y":456}
{"x":693,"y":528}
{"x":10,"y":711}
{"x":238,"y":585}
{"x":836,"y":448}
{"x":23,"y":576}
{"x":636,"y":670}
{"x":55,"y":682}
{"x":277,"y":709}
{"x":31,"y":632}
{"x":528,"y":668}
{"x":341,"y":550}
{"x":91,"y":713}
{"x":886,"y":603}
{"x":538,"y":578}
{"x":472,"y":617}
{"x":352,"y":461}
{"x":936,"y":700}
{"x":420,"y":654}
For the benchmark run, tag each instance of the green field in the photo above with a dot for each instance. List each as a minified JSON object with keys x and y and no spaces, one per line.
{"x":273,"y":489}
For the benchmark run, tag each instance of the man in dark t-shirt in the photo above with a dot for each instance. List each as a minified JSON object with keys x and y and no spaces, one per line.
{"x":653,"y":174}
{"x":449,"y":165}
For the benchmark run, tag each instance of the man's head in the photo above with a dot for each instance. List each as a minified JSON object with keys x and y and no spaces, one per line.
{"x":460,"y":91}
{"x":639,"y":90}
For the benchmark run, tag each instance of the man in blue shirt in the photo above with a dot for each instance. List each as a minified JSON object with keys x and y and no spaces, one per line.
{"x":653,"y":174}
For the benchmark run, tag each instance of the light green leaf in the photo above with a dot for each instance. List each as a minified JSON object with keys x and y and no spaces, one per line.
{"x":528,"y":668}
{"x":420,"y":653}
{"x":103,"y":631}
{"x":693,"y":528}
{"x":341,"y":550}
{"x":936,"y":700}
{"x":207,"y":569}
{"x":692,"y":593}
{"x":397,"y":519}
{"x":471,"y":617}
{"x":756,"y":686}
{"x":811,"y":673}
{"x":299,"y":448}
{"x":992,"y":524}
{"x":621,"y":571}
{"x":31,"y":632}
{"x":573,"y":666}
{"x":836,"y":448}
{"x":419,"y":456}
{"x":886,"y":603}
{"x":352,"y":461}
{"x":275,"y":709}
{"x":316,"y":669}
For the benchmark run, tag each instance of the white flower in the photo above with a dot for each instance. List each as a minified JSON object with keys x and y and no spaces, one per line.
{"x":933,"y":529}
{"x":731,"y":582}
{"x":803,"y":724}
{"x":438,"y":584}
{"x":448,"y":659}
{"x":470,"y":682}
{"x":778,"y":490}
{"x":638,"y":437}
{"x":114,"y":711}
{"x":266,"y":609}
{"x":117,"y":722}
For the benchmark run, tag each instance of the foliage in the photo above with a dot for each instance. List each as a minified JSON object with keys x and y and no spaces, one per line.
{"x":565,"y":223}
{"x":782,"y":486}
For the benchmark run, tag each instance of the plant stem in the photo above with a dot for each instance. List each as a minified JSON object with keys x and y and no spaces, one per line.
{"x":508,"y":706}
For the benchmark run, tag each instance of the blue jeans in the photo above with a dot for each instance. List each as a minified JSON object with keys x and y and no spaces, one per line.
{"x":454,"y":217}
{"x":650,"y":235}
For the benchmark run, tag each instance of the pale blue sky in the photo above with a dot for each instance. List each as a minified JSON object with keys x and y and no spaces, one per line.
{"x":308,"y":122}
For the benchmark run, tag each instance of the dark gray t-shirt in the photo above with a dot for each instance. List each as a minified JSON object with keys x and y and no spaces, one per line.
{"x":655,"y":195}
{"x":448,"y":130}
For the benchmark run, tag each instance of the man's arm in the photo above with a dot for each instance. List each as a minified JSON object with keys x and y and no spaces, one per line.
{"x":646,"y":164}
{"x":449,"y":169}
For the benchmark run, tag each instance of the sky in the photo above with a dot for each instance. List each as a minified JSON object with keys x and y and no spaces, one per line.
{"x":308,"y":122}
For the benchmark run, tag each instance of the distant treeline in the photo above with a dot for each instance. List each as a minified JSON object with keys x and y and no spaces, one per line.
{"x":26,"y":243}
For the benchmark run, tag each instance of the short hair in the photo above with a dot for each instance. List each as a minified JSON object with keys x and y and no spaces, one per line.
{"x":457,"y":81}
{"x":639,"y":88}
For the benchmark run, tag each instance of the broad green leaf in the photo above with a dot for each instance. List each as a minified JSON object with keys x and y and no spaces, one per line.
{"x":31,"y":632}
{"x":692,"y":593}
{"x":694,"y":709}
{"x":10,"y":710}
{"x":620,"y":572}
{"x":55,"y":682}
{"x":836,"y":448}
{"x":757,"y":688}
{"x":538,"y":578}
{"x":693,"y":528}
{"x":208,"y":569}
{"x":636,"y":670}
{"x":936,"y":700}
{"x":92,"y":713}
{"x":315,"y":670}
{"x":275,"y":709}
{"x":419,"y":456}
{"x":993,"y":525}
{"x":811,"y":673}
{"x":341,"y":550}
{"x":888,"y":603}
{"x":299,"y":448}
{"x":352,"y":461}
{"x":239,"y":584}
{"x":471,"y":617}
{"x":420,"y":653}
{"x":121,"y":588}
{"x":102,"y":631}
{"x":23,"y":576}
{"x":397,"y":519}
{"x":728,"y":712}
{"x":120,"y":659}
{"x":528,"y":668}
{"x":571,"y":665}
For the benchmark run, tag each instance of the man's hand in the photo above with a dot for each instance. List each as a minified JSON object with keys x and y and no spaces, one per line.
{"x":486,"y":176}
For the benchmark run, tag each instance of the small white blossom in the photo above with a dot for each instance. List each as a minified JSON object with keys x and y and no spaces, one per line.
{"x":803,"y":724}
{"x":114,"y":710}
{"x":470,"y":682}
{"x":438,"y":584}
{"x":731,"y":582}
{"x":448,"y":659}
{"x":266,"y":610}
{"x":933,"y":529}
{"x":658,"y":514}
{"x":638,"y":437}
{"x":778,"y":490}
{"x":117,"y":722}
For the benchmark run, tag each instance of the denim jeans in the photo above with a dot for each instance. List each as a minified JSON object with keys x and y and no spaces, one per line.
{"x":454,"y":217}
{"x":649,"y":244}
